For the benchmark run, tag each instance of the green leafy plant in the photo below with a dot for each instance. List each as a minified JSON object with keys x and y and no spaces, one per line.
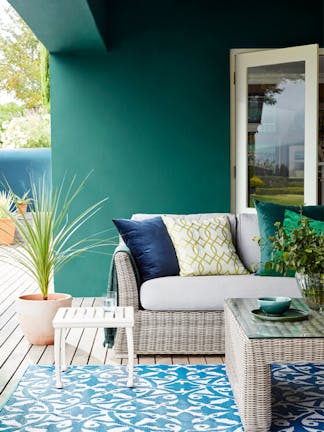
{"x":6,"y":205}
{"x":256,"y":182}
{"x":300,"y":249}
{"x":24,"y":199}
{"x":48,"y":237}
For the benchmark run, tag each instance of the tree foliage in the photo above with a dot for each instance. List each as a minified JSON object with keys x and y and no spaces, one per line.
{"x":20,"y":61}
{"x":8,"y":111}
{"x":45,"y":77}
{"x":24,"y":74}
{"x":256,"y":182}
{"x":29,"y":131}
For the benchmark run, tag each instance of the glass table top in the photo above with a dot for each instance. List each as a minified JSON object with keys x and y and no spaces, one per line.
{"x":254,"y":328}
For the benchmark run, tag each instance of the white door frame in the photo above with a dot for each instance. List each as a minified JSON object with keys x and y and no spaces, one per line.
{"x":314,"y":133}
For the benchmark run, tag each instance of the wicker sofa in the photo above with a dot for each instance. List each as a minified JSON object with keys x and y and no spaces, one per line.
{"x":184,"y":315}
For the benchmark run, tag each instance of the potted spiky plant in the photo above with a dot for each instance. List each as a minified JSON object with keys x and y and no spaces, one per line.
{"x":22,"y":203}
{"x":47,"y":245}
{"x":7,"y":219}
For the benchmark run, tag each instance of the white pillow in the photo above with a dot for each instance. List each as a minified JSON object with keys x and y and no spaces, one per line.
{"x":204,"y":247}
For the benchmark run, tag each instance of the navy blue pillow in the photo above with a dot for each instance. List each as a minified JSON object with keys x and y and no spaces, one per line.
{"x":150,"y":245}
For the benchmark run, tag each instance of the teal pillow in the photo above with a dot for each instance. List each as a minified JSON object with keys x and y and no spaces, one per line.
{"x":291,"y":221}
{"x":268,"y":214}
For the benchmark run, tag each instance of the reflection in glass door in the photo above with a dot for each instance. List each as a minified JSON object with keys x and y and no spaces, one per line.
{"x":276,"y":134}
{"x":276,"y":123}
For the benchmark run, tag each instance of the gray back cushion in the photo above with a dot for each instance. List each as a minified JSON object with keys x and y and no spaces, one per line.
{"x":197,"y":216}
{"x":243,"y":227}
{"x":248,"y":250}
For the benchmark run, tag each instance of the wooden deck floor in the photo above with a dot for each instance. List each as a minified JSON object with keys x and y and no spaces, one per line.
{"x":84,"y":346}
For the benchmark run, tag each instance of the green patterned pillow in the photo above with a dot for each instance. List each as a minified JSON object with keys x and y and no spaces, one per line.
{"x":204,"y":247}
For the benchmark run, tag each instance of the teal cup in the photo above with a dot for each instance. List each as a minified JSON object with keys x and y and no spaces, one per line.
{"x":274,"y":305}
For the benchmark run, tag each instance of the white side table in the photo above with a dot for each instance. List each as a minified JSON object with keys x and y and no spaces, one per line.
{"x":91,"y":317}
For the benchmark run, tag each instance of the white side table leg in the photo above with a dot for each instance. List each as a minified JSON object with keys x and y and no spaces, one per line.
{"x":130,"y":349}
{"x":57,"y":357}
{"x":63,"y":356}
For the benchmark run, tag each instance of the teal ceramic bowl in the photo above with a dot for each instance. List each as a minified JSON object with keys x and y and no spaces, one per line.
{"x":274,"y":305}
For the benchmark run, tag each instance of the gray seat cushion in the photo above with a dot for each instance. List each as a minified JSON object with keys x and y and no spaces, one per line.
{"x":208,"y":292}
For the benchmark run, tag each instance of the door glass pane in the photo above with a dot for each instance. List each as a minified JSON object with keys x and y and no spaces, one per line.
{"x":321,"y":132}
{"x":276,"y":117}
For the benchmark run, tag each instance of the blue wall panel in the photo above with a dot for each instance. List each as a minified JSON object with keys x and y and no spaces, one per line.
{"x":21,"y":166}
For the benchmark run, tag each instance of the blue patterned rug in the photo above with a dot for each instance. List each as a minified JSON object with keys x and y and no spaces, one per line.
{"x":174,"y":398}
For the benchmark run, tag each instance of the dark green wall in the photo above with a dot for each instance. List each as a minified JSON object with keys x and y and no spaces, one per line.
{"x":151,"y":117}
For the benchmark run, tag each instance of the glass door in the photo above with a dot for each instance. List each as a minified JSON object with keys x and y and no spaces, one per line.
{"x":276,"y":102}
{"x":321,"y":130}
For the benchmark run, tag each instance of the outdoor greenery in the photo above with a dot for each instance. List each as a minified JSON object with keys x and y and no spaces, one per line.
{"x":48,"y":237}
{"x":289,"y":190}
{"x":45,"y":79}
{"x":300,"y":249}
{"x":287,"y":199}
{"x":8,"y":111}
{"x":32,"y":130}
{"x":24,"y":76}
{"x":24,"y":199}
{"x":278,"y":189}
{"x":256,"y":182}
{"x":20,"y":61}
{"x":281,"y":180}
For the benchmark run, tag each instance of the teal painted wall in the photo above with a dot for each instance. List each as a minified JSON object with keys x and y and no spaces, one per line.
{"x":152,"y":116}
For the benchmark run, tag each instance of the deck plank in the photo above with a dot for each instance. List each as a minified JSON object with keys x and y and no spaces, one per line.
{"x":98,"y":352}
{"x":125,"y":361}
{"x":74,"y":335}
{"x":84,"y":347}
{"x":7,"y":305}
{"x":214,"y":359}
{"x":32,"y":353}
{"x":13,"y":361}
{"x":47,"y":357}
{"x":163,"y":359}
{"x":111,"y":359}
{"x":197,"y":359}
{"x":146,"y":359}
{"x":176,"y":359}
{"x":10,"y":345}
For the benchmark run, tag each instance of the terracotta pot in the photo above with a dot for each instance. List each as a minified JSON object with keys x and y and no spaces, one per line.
{"x":35,"y":316}
{"x":7,"y":231}
{"x":22,"y":208}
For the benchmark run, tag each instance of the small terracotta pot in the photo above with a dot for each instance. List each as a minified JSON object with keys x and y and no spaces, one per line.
{"x":7,"y":231}
{"x":22,"y":208}
{"x":35,"y":316}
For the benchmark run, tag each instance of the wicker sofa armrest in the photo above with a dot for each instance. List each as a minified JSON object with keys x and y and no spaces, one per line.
{"x":128,"y":291}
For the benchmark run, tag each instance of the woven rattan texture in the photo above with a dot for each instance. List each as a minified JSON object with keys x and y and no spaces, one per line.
{"x":248,"y":368}
{"x":165,"y":332}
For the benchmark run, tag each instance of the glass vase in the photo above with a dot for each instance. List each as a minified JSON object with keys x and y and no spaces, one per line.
{"x":312,"y":289}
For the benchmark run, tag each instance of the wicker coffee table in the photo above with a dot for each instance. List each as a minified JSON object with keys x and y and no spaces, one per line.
{"x":251,"y":345}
